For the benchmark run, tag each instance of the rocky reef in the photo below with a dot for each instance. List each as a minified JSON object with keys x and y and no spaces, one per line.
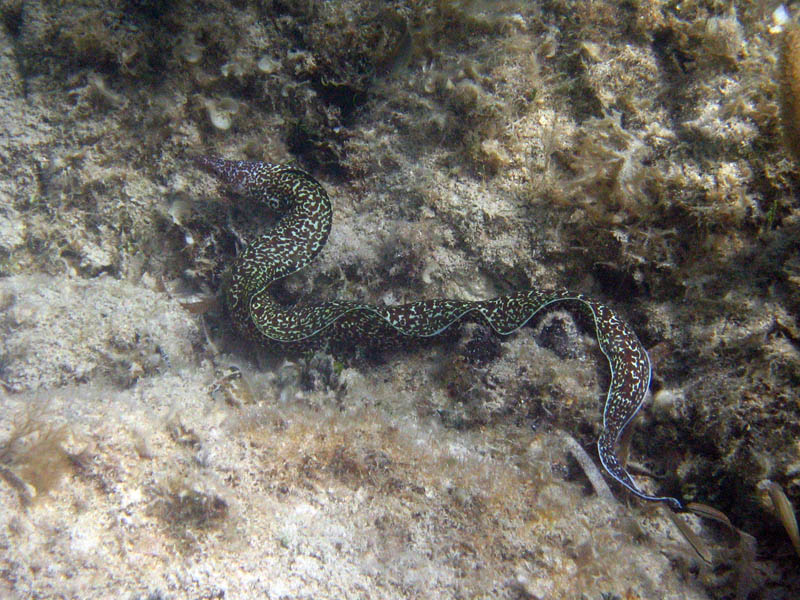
{"x":633,"y":152}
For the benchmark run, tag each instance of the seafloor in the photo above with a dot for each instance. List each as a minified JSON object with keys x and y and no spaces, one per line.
{"x":630,"y":151}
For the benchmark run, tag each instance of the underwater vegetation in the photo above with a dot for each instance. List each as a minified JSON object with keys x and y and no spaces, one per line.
{"x":789,"y":78}
{"x":32,"y":456}
{"x":641,"y":152}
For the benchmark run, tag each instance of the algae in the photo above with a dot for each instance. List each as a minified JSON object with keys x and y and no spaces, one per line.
{"x":632,"y":151}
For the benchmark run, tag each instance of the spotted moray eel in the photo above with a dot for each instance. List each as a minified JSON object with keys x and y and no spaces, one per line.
{"x":302,"y":233}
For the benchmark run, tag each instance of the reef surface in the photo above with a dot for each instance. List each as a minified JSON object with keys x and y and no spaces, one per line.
{"x":629,"y":151}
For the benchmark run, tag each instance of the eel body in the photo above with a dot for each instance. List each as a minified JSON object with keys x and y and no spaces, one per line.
{"x":301,"y":234}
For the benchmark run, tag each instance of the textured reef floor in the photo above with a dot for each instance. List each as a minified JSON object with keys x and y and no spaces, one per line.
{"x":629,"y":151}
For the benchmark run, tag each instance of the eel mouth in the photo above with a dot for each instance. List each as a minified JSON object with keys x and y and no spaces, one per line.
{"x":228,"y":172}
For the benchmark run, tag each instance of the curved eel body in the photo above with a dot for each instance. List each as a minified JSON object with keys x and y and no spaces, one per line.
{"x":302,"y":233}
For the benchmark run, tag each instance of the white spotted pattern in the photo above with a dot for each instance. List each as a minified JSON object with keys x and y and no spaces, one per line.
{"x":301,"y":234}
